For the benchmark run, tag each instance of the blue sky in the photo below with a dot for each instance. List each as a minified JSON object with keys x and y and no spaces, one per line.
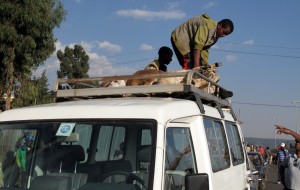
{"x":261,"y":58}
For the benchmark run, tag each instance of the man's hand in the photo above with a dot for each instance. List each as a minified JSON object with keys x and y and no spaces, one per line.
{"x":197,"y":68}
{"x":281,"y":129}
{"x":186,"y":150}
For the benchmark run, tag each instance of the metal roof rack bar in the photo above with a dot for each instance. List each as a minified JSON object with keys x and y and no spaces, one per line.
{"x":90,"y":87}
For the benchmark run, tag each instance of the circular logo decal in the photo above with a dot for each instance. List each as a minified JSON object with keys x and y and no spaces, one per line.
{"x":66,"y":128}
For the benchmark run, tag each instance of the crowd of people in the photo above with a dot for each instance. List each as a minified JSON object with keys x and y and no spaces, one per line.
{"x":288,"y":162}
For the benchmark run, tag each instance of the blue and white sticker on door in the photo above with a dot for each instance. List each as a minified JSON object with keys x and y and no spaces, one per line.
{"x":65,"y":129}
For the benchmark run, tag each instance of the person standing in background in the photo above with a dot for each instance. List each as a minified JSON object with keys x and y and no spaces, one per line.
{"x":248,"y":149}
{"x":292,"y":169}
{"x":281,"y":155}
{"x":261,"y":151}
{"x":268,"y":155}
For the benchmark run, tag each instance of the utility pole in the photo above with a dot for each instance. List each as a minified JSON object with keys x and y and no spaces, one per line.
{"x":296,"y":108}
{"x":275,"y":143}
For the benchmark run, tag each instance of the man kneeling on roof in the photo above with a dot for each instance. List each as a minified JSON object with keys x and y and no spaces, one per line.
{"x":164,"y":58}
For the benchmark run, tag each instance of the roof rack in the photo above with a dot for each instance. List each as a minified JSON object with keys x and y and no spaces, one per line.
{"x":90,"y":88}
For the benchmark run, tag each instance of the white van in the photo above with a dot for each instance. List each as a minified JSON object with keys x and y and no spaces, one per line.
{"x":159,"y":137}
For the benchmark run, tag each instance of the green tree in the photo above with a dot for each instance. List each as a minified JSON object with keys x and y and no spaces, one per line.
{"x":73,"y":63}
{"x":43,"y":94}
{"x":26,"y":38}
{"x":32,"y":92}
{"x":25,"y":93}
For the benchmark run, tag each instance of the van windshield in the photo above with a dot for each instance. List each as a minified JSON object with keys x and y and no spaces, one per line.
{"x":79,"y":154}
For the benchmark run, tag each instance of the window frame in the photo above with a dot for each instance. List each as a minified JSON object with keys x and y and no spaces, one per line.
{"x":217,"y":164}
{"x":235,"y":143}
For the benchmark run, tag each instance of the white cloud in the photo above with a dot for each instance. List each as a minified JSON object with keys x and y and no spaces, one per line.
{"x":173,"y":5}
{"x":215,"y":46}
{"x":87,"y":46}
{"x":50,"y":66}
{"x":210,"y":5}
{"x":112,"y":48}
{"x":151,"y":15}
{"x":231,"y":58}
{"x":58,"y":46}
{"x":249,"y":42}
{"x":146,"y":47}
{"x":100,"y":65}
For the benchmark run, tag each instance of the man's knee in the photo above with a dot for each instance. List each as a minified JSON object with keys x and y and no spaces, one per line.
{"x":186,"y":62}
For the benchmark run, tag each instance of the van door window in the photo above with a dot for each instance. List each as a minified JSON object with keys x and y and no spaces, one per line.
{"x":235,"y":144}
{"x":217,"y":144}
{"x":179,"y":157}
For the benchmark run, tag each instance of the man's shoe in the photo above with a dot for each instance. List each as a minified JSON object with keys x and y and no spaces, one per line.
{"x":225,"y":93}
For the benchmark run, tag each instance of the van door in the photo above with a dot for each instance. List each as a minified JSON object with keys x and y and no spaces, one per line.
{"x":179,"y":157}
{"x":227,"y":162}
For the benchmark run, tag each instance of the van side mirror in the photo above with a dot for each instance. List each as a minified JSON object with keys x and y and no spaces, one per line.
{"x":196,"y":182}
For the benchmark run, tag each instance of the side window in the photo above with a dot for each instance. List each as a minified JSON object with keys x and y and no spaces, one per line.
{"x":236,"y":147}
{"x":110,"y":143}
{"x":84,"y":131}
{"x":179,"y":158}
{"x":145,"y":145}
{"x":146,"y":138}
{"x":117,"y":146}
{"x":217,"y":144}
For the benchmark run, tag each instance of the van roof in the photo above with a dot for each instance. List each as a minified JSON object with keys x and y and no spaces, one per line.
{"x":160,"y":102}
{"x":160,"y":109}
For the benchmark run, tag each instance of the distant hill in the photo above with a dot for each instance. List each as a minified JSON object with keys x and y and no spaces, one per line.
{"x":268,"y":142}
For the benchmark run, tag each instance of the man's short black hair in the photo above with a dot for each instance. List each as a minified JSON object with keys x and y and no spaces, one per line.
{"x":165,"y":50}
{"x":225,"y":23}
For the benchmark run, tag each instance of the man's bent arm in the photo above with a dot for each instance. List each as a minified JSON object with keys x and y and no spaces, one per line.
{"x":287,"y":131}
{"x":196,"y":58}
